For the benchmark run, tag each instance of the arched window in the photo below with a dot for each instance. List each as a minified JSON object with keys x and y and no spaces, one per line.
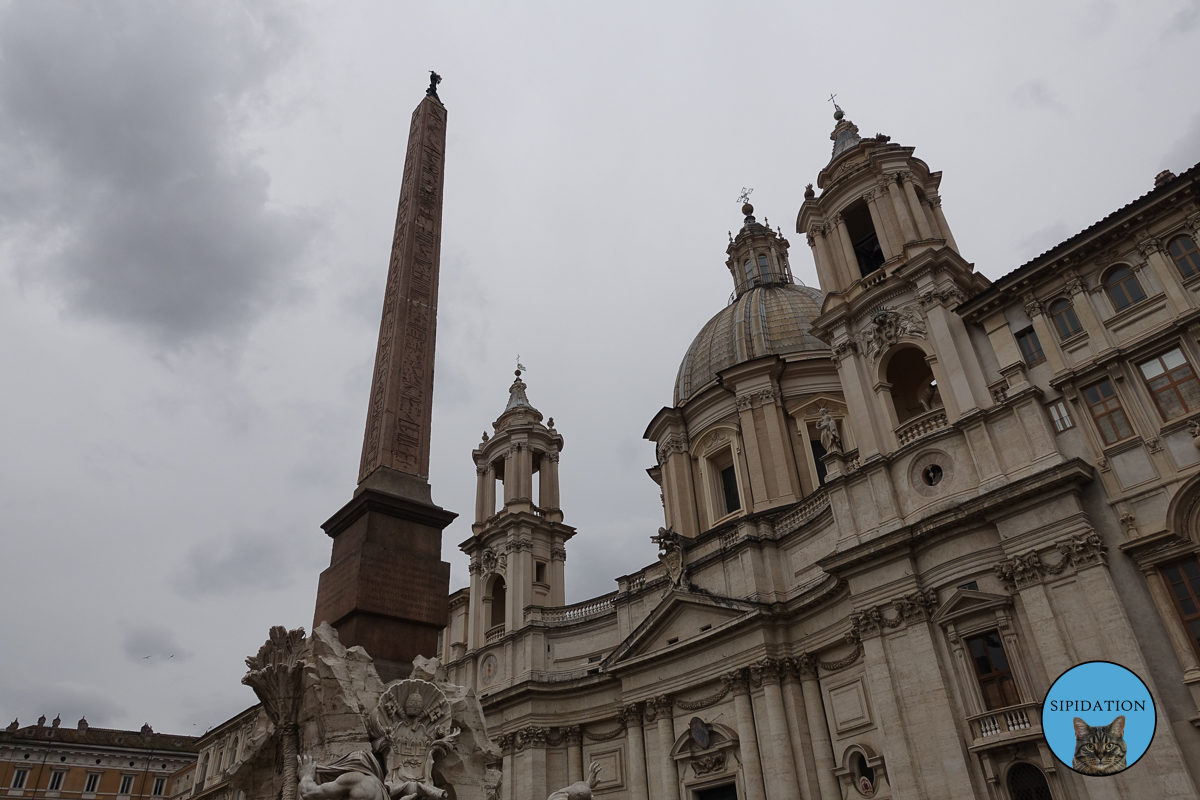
{"x":1026,"y":782}
{"x":1123,"y":288}
{"x":499,"y":595}
{"x":1065,"y":321}
{"x":1186,"y":256}
{"x":764,"y":268}
{"x":914,"y":390}
{"x":749,"y":272}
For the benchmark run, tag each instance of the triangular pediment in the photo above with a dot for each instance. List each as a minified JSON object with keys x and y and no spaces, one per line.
{"x":965,"y":602}
{"x":681,"y":619}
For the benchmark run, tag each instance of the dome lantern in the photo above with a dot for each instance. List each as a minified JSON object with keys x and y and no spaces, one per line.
{"x":758,"y":256}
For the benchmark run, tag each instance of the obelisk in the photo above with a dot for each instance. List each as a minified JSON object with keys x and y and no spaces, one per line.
{"x":386,"y":587}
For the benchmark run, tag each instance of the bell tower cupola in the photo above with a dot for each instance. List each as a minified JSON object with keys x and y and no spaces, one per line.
{"x":518,"y":541}
{"x":879,"y":208}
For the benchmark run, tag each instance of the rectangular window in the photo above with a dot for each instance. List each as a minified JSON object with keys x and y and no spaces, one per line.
{"x":1031,"y":348}
{"x":160,"y":786}
{"x":991,"y":669}
{"x":93,"y":780}
{"x":818,"y":452}
{"x":1106,"y":411}
{"x":733,"y":501}
{"x":1062,"y":419}
{"x":1184,"y":581}
{"x":19,"y":778}
{"x":126,"y":784}
{"x":539,"y":571}
{"x":56,"y":780}
{"x":1172,"y":384}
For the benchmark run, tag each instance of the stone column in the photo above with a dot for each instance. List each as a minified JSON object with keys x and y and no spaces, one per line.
{"x":827,"y":273}
{"x":848,"y":257}
{"x":508,"y":776}
{"x":801,"y":739}
{"x":1166,"y":273}
{"x":511,"y":482}
{"x":659,"y":710}
{"x":536,"y":758}
{"x":1082,"y":299}
{"x":782,"y":775}
{"x":902,"y":214}
{"x":880,"y":231}
{"x":489,"y":488}
{"x":952,"y":345}
{"x":1180,"y":637}
{"x":558,"y":572}
{"x":679,"y":493}
{"x":481,"y":510}
{"x":636,"y":748}
{"x":525,"y":469}
{"x":943,"y":227}
{"x":754,"y":457}
{"x":1047,"y":337}
{"x":818,"y":728}
{"x":752,"y":774}
{"x":475,"y":627}
{"x":914,"y":204}
{"x":573,"y":736}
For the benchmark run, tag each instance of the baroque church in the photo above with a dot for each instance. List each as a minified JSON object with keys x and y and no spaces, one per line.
{"x":896,"y":509}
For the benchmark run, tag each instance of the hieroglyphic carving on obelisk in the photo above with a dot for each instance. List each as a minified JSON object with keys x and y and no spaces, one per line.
{"x":398,"y":418}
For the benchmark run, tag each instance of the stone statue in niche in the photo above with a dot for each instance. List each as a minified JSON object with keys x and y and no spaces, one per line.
{"x":410,"y":726}
{"x":670,"y":553}
{"x":827,"y":425}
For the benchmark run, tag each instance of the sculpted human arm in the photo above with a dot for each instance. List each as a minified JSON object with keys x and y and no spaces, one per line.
{"x":342,"y":788}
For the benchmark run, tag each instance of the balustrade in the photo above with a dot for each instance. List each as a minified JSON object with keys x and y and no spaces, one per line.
{"x":921,"y":426}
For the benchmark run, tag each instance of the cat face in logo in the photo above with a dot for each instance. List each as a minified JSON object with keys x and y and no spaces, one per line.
{"x":1099,"y":750}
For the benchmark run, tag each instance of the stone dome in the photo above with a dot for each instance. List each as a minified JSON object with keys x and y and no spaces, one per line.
{"x":767,"y":320}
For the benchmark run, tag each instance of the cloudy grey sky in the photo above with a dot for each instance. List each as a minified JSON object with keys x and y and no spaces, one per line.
{"x":196,"y":209}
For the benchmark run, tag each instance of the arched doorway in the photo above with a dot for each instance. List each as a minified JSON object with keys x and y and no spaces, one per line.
{"x":1026,"y":782}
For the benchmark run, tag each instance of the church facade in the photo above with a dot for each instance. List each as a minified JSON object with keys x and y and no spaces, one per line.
{"x":895,"y":510}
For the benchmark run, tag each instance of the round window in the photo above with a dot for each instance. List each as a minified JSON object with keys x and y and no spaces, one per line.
{"x":932,"y":475}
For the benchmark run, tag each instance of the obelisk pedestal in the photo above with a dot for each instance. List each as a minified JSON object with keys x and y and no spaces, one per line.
{"x":386,"y":587}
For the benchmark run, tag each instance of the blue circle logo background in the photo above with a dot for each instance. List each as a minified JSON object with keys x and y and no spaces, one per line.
{"x":1116,"y":690}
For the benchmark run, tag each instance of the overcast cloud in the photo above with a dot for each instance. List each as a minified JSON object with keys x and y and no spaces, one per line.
{"x":196,"y":208}
{"x":127,"y":182}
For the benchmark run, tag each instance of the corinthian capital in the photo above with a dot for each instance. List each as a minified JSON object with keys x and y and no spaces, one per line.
{"x":736,"y":681}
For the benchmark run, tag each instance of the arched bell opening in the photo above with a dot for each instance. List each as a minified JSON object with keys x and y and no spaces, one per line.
{"x":496,"y":598}
{"x":914,"y":389}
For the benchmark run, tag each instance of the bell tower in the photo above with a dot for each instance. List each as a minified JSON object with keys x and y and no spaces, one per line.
{"x":518,"y":541}
{"x":892,"y":275}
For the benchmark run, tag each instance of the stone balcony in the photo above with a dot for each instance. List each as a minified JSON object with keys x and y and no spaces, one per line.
{"x":493,"y":634}
{"x":1005,"y":726}
{"x":921,"y":426}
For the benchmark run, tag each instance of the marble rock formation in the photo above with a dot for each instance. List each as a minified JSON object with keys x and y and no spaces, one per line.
{"x":347,"y":736}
